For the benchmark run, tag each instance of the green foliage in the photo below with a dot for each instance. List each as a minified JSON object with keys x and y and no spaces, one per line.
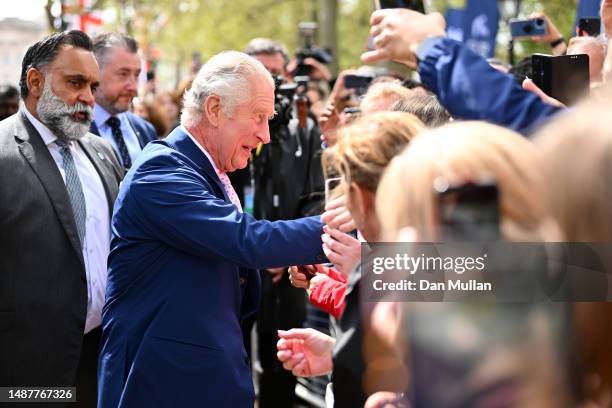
{"x":210,"y":26}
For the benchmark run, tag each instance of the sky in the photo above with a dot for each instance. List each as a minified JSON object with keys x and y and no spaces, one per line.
{"x":24,"y":9}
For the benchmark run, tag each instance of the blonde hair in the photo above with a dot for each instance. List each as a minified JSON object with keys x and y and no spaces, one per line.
{"x":577,"y":152}
{"x":460,"y":153}
{"x":366,"y":146}
{"x":387,"y":92}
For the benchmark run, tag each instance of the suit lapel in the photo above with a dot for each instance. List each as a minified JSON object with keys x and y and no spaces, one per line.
{"x":97,"y":157}
{"x":135,"y":130}
{"x":38,"y":156}
{"x":180,"y":141}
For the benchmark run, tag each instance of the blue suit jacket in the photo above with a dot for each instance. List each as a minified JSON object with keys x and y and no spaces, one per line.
{"x":179,"y":283}
{"x":145,"y":132}
{"x":470,"y":89}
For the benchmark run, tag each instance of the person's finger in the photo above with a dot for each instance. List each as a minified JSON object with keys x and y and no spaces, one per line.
{"x":331,"y":215}
{"x":530,"y":86}
{"x":377,"y":16}
{"x":348,"y":226}
{"x":293,"y":361}
{"x":300,"y":369}
{"x":296,"y":275}
{"x":337,"y":202}
{"x":382,"y":39}
{"x":375,"y":56}
{"x":282,"y":344}
{"x":333,"y":256}
{"x":301,"y":334}
{"x":340,"y":236}
{"x":283,"y":355}
{"x":339,"y":220}
{"x":375,"y":30}
{"x":334,"y":245}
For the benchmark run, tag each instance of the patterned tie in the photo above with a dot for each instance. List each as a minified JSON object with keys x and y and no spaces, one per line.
{"x":74,"y":188}
{"x":229,"y":190}
{"x":115,"y":125}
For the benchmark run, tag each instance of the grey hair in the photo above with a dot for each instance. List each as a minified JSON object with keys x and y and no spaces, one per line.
{"x":104,"y":42}
{"x":266,"y":46}
{"x":229,"y":75}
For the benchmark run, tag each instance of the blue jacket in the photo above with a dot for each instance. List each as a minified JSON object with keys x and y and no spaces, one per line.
{"x":179,"y":282}
{"x":145,"y":132}
{"x":470,"y":89}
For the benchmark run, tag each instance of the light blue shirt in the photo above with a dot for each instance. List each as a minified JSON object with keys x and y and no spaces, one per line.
{"x":129,"y":135}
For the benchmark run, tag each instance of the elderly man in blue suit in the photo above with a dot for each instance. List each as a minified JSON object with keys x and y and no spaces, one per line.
{"x":180,"y":276}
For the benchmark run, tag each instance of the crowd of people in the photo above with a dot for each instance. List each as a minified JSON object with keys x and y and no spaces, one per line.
{"x":160,"y":248}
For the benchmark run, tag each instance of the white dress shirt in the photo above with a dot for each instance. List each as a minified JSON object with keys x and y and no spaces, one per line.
{"x":96,"y":244}
{"x":129,"y":134}
{"x":227,"y":185}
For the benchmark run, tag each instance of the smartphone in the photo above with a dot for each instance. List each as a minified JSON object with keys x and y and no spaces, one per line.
{"x":533,"y":27}
{"x":357,"y":81}
{"x":563,"y":77}
{"x":331,"y":184}
{"x":416,"y":5}
{"x":469,"y":213}
{"x":589,"y":27}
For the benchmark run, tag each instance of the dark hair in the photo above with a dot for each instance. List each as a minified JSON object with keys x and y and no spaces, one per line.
{"x":522,"y":70}
{"x":44,"y":52}
{"x":425,"y":107}
{"x":266,"y":46}
{"x":412,"y":84}
{"x":102,"y":43}
{"x":8,"y":91}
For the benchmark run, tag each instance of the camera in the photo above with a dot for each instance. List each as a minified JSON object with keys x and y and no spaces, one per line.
{"x":283,"y":102}
{"x":563,"y":77}
{"x":535,"y":27}
{"x":307,"y":32}
{"x":589,"y":27}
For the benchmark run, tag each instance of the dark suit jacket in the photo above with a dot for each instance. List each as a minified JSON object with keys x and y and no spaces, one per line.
{"x":43,"y":290}
{"x":145,"y":132}
{"x":179,"y":282}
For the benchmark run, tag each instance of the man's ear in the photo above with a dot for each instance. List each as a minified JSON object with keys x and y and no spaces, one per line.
{"x":213,"y":109}
{"x":35,"y":81}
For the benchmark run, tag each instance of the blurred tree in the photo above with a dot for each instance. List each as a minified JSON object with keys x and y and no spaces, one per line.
{"x":174,"y":29}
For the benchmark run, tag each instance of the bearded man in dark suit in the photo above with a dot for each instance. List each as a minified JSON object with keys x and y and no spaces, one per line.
{"x":58,"y":184}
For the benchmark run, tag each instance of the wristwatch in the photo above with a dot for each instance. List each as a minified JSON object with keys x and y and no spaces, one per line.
{"x":558,"y":41}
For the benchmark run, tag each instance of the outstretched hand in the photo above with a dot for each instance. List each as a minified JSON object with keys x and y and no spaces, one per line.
{"x":397,"y":34}
{"x":305,"y":352}
{"x":530,"y":86}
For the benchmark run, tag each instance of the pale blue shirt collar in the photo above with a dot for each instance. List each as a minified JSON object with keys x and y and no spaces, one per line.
{"x":101,"y":115}
{"x":47,"y":136}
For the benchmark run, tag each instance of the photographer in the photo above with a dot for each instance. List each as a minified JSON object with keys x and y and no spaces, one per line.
{"x":288,"y":183}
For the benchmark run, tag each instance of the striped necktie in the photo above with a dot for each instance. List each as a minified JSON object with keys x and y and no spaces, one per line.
{"x":74,"y":189}
{"x":115,"y":125}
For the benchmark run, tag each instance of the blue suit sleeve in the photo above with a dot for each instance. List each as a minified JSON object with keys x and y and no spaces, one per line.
{"x":173,"y":203}
{"x":471,"y":89}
